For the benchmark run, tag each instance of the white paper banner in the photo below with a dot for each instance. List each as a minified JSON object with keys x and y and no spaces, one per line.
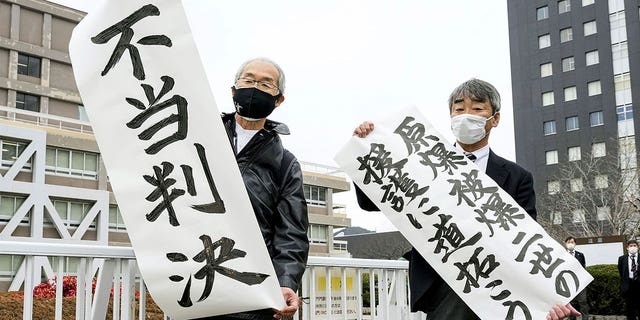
{"x":484,"y":245}
{"x":169,"y":161}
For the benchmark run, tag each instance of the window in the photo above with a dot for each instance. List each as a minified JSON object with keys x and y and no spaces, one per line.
{"x":587,"y":2}
{"x":590,"y":28}
{"x":576,"y":185}
{"x":549,"y":127}
{"x":620,"y":56}
{"x":11,"y":151}
{"x":28,"y":65}
{"x":570,"y":93}
{"x":618,"y":25}
{"x":72,"y":163}
{"x":544,"y":41}
{"x":9,"y":265}
{"x":566,"y":35}
{"x":553,"y":187}
{"x":546,"y":70}
{"x":317,"y":233}
{"x":547,"y":98}
{"x":82,"y":114}
{"x":572,"y":123}
{"x":598,"y":149}
{"x":564,"y":6}
{"x":315,"y":195}
{"x":603,"y":213}
{"x":556,"y":217}
{"x":552,"y":157}
{"x":9,"y":205}
{"x":596,"y":118}
{"x":593,"y":88}
{"x":542,"y":13}
{"x":601,"y":181}
{"x":574,"y":154}
{"x":568,"y":64}
{"x":27,"y":102}
{"x":578,"y":216}
{"x":592,"y":58}
{"x":622,"y":88}
{"x":73,"y":212}
{"x":115,"y":219}
{"x":624,"y":113}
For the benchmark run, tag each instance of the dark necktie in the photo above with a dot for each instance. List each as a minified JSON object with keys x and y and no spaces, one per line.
{"x":470,"y":156}
{"x":634,"y":267}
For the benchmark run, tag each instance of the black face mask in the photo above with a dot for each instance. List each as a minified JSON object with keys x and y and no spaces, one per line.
{"x":253,"y":103}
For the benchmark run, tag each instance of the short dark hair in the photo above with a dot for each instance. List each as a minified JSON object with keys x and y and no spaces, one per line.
{"x":569,"y":238}
{"x":634,"y":241}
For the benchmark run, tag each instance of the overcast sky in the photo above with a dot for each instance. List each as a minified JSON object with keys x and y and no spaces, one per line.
{"x":350,"y":61}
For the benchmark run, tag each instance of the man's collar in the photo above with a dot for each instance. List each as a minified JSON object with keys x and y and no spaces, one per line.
{"x":482,"y":152}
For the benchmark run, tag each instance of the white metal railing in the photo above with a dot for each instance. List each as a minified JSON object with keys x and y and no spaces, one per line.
{"x":116,"y":267}
{"x":45,"y":120}
{"x":322,"y":169}
{"x":343,"y":299}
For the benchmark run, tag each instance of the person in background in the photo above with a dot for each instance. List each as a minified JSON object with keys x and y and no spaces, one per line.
{"x":629,"y":283}
{"x":580,"y":301}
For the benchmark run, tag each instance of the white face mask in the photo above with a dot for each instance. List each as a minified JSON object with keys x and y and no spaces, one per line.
{"x":633,"y":250}
{"x":469,"y":128}
{"x":571,"y":246}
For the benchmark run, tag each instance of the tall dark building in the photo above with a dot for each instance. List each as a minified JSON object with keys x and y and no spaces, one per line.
{"x":573,"y":63}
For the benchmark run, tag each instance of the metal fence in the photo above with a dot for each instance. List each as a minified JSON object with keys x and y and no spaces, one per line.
{"x":339,"y":297}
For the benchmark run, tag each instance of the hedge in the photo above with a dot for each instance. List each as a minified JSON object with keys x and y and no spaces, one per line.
{"x":604,"y":292}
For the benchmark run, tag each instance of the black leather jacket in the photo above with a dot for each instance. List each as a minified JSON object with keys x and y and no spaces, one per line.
{"x":277,"y":198}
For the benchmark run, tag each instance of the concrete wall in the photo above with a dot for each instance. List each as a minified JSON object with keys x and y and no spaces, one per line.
{"x":31,"y":26}
{"x":61,"y":77}
{"x":61,"y":30}
{"x":5,"y":20}
{"x":4,"y":62}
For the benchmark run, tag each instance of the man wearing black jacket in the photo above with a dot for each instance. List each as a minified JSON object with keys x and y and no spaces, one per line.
{"x":474,"y":107}
{"x":272,"y":176}
{"x":580,"y":301}
{"x":629,"y":281}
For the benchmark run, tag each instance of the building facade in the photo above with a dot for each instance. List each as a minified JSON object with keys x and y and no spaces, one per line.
{"x":574,"y":68}
{"x":53,"y":184}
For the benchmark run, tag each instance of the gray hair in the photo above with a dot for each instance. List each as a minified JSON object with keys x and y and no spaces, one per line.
{"x":478,"y":90}
{"x":281,"y":78}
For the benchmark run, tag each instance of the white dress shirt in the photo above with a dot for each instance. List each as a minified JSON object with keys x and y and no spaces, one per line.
{"x":482,"y":156}
{"x":630,"y":272}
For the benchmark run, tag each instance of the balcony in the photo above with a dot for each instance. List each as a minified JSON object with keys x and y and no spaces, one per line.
{"x":45,"y":120}
{"x":330,"y":286}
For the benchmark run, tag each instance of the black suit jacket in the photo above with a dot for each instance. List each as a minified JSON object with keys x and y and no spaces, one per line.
{"x":512,"y":178}
{"x":623,"y":268}
{"x":580,"y":257}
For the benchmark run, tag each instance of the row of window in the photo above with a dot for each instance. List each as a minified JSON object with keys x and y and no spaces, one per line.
{"x":71,"y":212}
{"x":564,"y":6}
{"x":29,"y":65}
{"x":599,"y":182}
{"x":316,"y":196}
{"x":571,"y":93}
{"x":318,"y":233}
{"x":566,"y":34}
{"x":579,"y":216}
{"x":58,"y":161}
{"x":574,"y":153}
{"x":573,"y":123}
{"x":569,"y":64}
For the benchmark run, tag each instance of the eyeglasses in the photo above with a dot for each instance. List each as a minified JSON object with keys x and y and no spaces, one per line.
{"x":261,"y":85}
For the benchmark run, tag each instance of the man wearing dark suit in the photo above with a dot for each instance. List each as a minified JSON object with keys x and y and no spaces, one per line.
{"x":629,"y":284}
{"x":474,"y":108}
{"x":580,"y":301}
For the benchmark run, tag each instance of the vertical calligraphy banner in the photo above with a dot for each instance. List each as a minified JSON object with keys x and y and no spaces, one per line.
{"x":170,"y":164}
{"x":484,"y":245}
